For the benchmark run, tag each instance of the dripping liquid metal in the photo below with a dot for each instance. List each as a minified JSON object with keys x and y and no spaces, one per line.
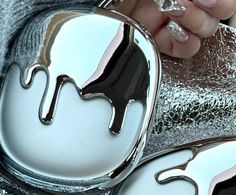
{"x":43,"y":136}
{"x":209,"y":165}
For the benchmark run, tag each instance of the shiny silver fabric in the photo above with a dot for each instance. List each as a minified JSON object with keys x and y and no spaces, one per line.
{"x":198,"y":94}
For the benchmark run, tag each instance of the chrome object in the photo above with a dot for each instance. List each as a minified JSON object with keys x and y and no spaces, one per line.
{"x":81,"y":68}
{"x":209,"y":166}
{"x":192,"y":107}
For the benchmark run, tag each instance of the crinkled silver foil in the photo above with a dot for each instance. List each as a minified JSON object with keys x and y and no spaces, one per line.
{"x":198,"y":95}
{"x":197,"y":101}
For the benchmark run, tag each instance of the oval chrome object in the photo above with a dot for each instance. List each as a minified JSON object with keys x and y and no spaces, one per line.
{"x":209,"y":165}
{"x":78,"y":99}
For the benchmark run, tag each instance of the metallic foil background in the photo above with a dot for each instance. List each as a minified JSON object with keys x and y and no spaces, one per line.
{"x":198,"y":95}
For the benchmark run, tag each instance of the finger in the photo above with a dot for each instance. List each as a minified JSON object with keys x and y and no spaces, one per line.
{"x":195,"y":19}
{"x":169,"y":43}
{"x":126,"y":7}
{"x":221,"y":9}
{"x":146,"y":12}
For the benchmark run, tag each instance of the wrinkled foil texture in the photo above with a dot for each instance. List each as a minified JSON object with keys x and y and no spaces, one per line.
{"x":198,"y":95}
{"x":197,"y":101}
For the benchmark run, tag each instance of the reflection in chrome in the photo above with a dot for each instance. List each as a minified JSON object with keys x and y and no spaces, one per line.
{"x":211,"y":168}
{"x":125,"y":67}
{"x":121,"y":76}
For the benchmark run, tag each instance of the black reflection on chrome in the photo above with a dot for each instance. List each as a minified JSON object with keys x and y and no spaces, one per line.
{"x":124,"y":78}
{"x":227,"y":187}
{"x":121,"y":76}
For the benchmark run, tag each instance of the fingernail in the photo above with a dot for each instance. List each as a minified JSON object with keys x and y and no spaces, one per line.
{"x":180,"y":9}
{"x":207,"y":3}
{"x":177,"y":32}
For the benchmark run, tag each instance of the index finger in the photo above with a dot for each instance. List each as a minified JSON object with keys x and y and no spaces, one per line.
{"x":221,"y":9}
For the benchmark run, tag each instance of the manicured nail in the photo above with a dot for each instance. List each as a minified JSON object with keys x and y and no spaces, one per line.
{"x":177,"y":32}
{"x":168,"y":5}
{"x":180,"y":9}
{"x":207,"y":3}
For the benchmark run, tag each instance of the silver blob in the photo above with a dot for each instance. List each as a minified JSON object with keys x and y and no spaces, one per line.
{"x":208,"y":165}
{"x":211,"y":168}
{"x":126,"y":71}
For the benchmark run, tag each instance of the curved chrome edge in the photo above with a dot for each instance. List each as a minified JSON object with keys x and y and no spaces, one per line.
{"x":196,"y":147}
{"x":115,"y":176}
{"x":136,"y":155}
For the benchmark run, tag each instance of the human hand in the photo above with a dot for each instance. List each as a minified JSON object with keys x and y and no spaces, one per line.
{"x":198,"y":19}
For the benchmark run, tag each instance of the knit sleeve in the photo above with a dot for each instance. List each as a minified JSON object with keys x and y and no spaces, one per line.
{"x":14,"y":14}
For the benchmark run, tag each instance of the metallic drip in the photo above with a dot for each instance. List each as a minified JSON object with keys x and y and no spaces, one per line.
{"x":62,"y":79}
{"x":211,"y":168}
{"x":121,"y":76}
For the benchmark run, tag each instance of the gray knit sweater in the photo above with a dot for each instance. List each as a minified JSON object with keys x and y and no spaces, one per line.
{"x":14,"y":14}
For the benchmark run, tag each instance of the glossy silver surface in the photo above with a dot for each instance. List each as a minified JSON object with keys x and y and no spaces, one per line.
{"x":211,"y":168}
{"x":207,"y":165}
{"x":128,"y":71}
{"x":121,"y":76}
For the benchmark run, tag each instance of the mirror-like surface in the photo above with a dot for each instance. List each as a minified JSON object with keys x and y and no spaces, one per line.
{"x":142,"y":180}
{"x":77,"y":102}
{"x":207,"y":167}
{"x":122,"y":75}
{"x":211,"y":168}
